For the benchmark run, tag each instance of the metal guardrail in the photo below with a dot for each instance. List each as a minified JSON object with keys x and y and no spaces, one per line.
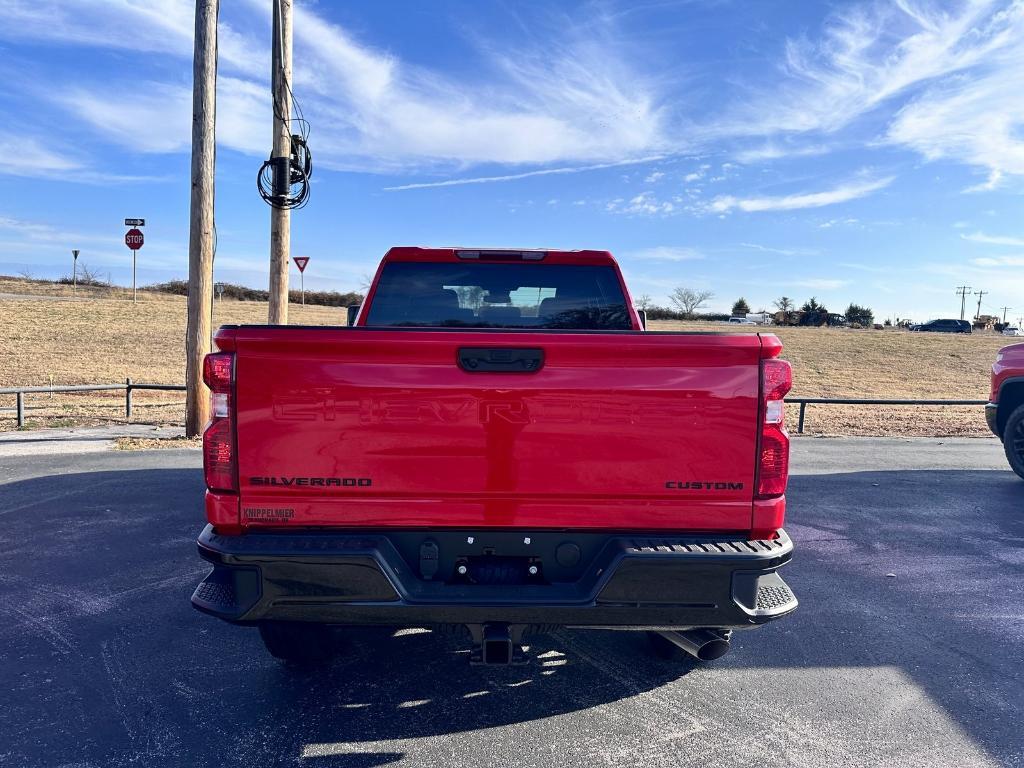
{"x":129,"y":386}
{"x":805,"y":401}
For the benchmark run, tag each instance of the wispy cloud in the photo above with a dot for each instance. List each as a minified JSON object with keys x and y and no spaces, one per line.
{"x":27,"y":156}
{"x":577,"y":100}
{"x":774,"y":150}
{"x":981,"y":237}
{"x":871,"y":53}
{"x":959,"y":67}
{"x":849,"y":221}
{"x":782,"y":251}
{"x":998,"y":261}
{"x":696,"y":175}
{"x":886,"y":270}
{"x":820,"y":284}
{"x":564,"y":101}
{"x":149,"y":26}
{"x":666,"y":253}
{"x":840,"y":194}
{"x":644,"y":204}
{"x":243,"y":112}
{"x":978,"y":117}
{"x":524,"y":175}
{"x":28,"y":229}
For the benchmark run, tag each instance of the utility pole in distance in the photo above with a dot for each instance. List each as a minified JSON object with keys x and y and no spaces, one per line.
{"x":280,"y":217}
{"x":979,"y":294}
{"x":74,"y":271}
{"x":1005,"y":310}
{"x":962,"y":292}
{"x":201,"y":228}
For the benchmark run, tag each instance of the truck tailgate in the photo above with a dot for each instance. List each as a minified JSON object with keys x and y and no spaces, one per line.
{"x":351,"y":427}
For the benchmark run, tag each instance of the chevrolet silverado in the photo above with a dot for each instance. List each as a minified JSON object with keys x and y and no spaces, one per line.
{"x":496,"y":447}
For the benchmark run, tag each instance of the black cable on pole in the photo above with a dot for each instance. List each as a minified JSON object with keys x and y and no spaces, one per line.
{"x":295,"y":170}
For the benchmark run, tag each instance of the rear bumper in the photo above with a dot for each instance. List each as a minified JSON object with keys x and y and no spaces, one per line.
{"x":990,"y":416}
{"x":625,"y":581}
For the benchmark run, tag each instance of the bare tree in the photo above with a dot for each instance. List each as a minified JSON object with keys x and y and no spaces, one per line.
{"x":689,"y":300}
{"x":644,"y":302}
{"x":784,"y":304}
{"x":88,"y":276}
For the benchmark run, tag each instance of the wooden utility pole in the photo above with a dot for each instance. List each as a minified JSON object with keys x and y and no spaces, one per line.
{"x":962,"y":292}
{"x":280,"y":217}
{"x":200,"y":242}
{"x":979,"y":294}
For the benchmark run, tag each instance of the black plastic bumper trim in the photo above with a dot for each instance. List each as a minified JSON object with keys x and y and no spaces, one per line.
{"x":991,"y":417}
{"x":362,"y":578}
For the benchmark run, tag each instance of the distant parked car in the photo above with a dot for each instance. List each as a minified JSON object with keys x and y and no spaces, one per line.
{"x":1012,"y":330}
{"x":944,"y":326}
{"x":741,"y":321}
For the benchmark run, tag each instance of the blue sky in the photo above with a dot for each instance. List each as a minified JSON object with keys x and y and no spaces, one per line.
{"x":869,"y":152}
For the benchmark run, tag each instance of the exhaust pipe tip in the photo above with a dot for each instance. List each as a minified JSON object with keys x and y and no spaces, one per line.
{"x":702,"y":644}
{"x":715,"y":649}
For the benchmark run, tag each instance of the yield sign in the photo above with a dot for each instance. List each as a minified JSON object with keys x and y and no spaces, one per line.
{"x":301,"y":262}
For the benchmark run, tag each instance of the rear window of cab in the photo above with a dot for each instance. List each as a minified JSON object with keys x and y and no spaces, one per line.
{"x":499,"y":295}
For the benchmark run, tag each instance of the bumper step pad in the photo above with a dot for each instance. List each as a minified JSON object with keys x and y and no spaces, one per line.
{"x":771,"y":597}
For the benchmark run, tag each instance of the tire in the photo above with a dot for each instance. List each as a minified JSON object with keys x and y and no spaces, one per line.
{"x":1013,"y":440}
{"x":299,"y":643}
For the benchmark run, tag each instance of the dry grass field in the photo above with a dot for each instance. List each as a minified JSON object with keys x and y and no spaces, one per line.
{"x":102,"y":337}
{"x":888,"y":365}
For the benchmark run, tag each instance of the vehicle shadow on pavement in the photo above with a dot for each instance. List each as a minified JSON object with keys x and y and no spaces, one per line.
{"x":109,"y":664}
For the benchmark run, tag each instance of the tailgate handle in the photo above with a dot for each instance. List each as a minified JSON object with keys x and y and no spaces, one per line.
{"x":500,"y":359}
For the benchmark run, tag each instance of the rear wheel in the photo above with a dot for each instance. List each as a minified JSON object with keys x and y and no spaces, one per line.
{"x":299,"y":643}
{"x":1013,"y":440}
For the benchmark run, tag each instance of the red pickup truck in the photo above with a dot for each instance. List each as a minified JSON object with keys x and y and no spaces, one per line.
{"x":496,"y":445}
{"x":1005,"y":410}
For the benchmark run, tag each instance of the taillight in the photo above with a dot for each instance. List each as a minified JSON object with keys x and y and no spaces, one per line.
{"x":773,"y":460}
{"x":219,"y":459}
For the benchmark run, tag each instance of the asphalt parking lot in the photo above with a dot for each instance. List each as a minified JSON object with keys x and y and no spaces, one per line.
{"x":906,"y":650}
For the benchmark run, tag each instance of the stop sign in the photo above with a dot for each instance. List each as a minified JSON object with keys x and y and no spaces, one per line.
{"x":133,"y":239}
